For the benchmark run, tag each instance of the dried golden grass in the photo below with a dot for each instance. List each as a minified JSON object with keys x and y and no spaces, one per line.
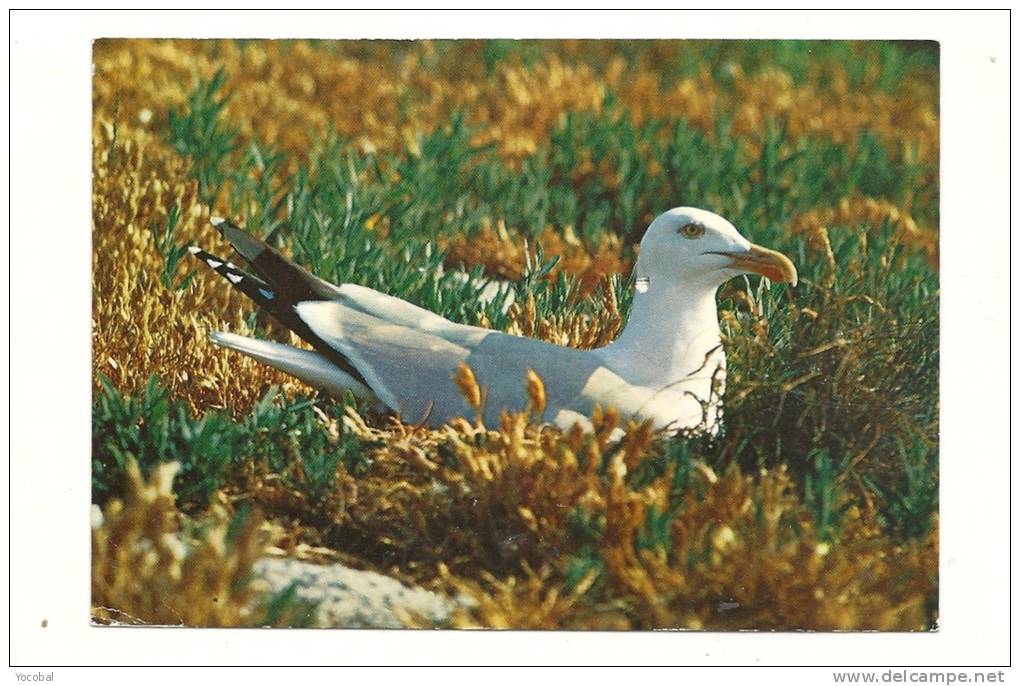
{"x":139,"y":327}
{"x":485,"y":512}
{"x":574,"y":329}
{"x":145,"y":571}
{"x":465,"y":509}
{"x":865,"y":211}
{"x":386,"y":94}
{"x":504,"y":253}
{"x":839,"y":112}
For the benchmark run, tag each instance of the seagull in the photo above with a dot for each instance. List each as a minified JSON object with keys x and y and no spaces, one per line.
{"x":667,"y":366}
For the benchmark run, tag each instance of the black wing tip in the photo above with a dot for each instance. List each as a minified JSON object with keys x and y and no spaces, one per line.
{"x":277,"y":302}
{"x":244,"y":243}
{"x":204,"y":256}
{"x":255,"y":288}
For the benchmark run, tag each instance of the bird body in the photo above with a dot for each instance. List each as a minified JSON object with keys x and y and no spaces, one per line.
{"x":667,"y":366}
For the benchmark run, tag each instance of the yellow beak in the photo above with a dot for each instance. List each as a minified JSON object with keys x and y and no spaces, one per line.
{"x":769,"y":263}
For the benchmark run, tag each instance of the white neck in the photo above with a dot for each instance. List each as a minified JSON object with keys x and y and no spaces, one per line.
{"x":671,"y":335}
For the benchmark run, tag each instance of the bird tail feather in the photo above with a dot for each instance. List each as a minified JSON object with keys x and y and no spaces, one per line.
{"x":279,"y":304}
{"x":307,"y":365}
{"x":297,"y":283}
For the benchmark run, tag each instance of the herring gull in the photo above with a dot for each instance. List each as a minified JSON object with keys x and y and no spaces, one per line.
{"x":667,"y":366}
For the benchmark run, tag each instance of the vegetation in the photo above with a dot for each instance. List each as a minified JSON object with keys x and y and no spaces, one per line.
{"x":395,"y":165}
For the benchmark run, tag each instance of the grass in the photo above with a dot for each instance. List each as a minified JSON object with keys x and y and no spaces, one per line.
{"x":818,"y":505}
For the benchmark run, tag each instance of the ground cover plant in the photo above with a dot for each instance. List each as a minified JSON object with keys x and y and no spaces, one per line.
{"x":396,"y":165}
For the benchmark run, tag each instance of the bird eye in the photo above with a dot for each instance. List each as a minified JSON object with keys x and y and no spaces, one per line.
{"x":692,"y":231}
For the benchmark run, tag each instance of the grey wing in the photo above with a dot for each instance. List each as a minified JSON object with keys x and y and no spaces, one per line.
{"x":412,"y":371}
{"x":396,"y":311}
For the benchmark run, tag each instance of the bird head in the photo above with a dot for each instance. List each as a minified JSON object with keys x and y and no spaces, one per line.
{"x":687,"y":245}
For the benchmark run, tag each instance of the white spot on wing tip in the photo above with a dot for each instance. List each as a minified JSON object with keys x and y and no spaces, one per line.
{"x":235,"y":278}
{"x":194,"y":249}
{"x":216,"y":221}
{"x":213,"y":263}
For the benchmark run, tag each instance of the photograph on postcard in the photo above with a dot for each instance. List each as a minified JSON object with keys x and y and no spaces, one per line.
{"x":515,"y":334}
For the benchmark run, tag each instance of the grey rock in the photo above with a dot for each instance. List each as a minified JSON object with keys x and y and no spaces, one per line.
{"x":350,"y":598}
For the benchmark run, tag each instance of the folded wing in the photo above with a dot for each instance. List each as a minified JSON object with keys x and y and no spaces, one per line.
{"x":412,"y":371}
